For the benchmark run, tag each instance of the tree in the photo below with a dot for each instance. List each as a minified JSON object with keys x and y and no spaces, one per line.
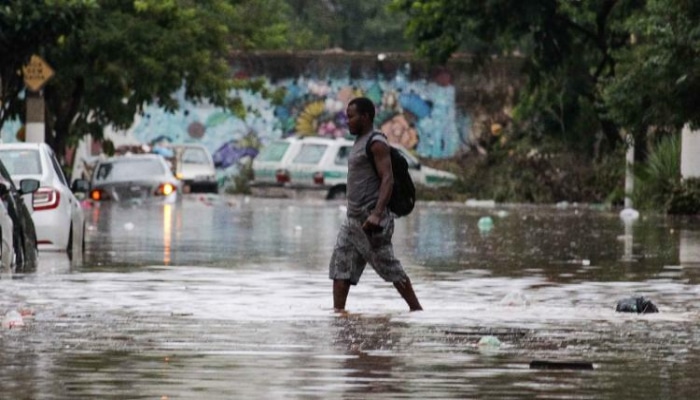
{"x":569,"y":49}
{"x":26,"y":28}
{"x":657,"y":86}
{"x":350,"y":25}
{"x":128,"y":54}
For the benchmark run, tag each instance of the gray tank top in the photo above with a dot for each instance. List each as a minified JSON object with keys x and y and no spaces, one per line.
{"x":363,"y":182}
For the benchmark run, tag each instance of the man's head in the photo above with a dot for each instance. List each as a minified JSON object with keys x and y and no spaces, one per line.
{"x":360,"y":114}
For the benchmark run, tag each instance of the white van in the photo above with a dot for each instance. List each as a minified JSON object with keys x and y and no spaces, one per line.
{"x":194,"y":166}
{"x":318,"y":167}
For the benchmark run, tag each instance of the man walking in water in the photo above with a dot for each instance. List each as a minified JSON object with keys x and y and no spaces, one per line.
{"x":365,"y":236}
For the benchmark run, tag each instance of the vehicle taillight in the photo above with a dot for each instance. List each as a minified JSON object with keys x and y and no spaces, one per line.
{"x":282,"y":176}
{"x":318,"y":178}
{"x":46,"y":198}
{"x":165,"y":189}
{"x":99,"y":195}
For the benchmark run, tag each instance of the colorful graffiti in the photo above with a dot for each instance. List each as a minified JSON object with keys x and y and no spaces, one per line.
{"x":420,"y":115}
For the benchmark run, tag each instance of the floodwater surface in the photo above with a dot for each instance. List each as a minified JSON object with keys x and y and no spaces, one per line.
{"x":228,"y":297}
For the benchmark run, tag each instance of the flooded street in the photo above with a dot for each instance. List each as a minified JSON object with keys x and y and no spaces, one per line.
{"x":222,"y":298}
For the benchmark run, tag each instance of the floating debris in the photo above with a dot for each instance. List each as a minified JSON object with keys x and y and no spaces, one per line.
{"x":485,"y":224}
{"x":541,"y":364}
{"x":13,"y":319}
{"x":637,"y":304}
{"x":489,"y":341}
{"x":480,"y":203}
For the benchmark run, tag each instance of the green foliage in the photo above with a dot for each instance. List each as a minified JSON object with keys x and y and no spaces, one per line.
{"x":685,"y":198}
{"x":659,"y":176}
{"x":593,"y":67}
{"x":539,"y":172}
{"x":241,"y":181}
{"x":125,"y":55}
{"x":26,"y":28}
{"x":349,"y":24}
{"x":658,"y":79}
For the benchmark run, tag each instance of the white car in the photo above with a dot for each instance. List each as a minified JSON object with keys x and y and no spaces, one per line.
{"x":56,"y":212}
{"x":194,"y":166}
{"x":7,"y":249}
{"x":134,"y":179}
{"x":321,"y":165}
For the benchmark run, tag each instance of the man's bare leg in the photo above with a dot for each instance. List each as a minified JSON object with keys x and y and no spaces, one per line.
{"x":406,"y":290}
{"x":341,"y":288}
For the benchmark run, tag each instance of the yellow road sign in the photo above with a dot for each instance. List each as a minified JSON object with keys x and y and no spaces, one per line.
{"x":36,"y":73}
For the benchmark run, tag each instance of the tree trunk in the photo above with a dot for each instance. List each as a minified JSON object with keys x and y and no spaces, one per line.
{"x":63,"y":116}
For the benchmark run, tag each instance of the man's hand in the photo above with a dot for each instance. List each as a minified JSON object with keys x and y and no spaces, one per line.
{"x":372,"y":223}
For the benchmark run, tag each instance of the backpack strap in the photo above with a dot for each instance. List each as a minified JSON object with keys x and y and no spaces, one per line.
{"x":368,"y":152}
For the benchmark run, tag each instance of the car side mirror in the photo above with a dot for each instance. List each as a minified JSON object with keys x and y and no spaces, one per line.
{"x":27,"y":186}
{"x":80,"y":186}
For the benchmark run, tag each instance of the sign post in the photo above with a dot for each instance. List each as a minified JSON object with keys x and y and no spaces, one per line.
{"x":36,"y":73}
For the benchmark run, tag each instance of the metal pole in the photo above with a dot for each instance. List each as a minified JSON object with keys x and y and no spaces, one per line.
{"x":629,"y":167}
{"x":35,"y":127}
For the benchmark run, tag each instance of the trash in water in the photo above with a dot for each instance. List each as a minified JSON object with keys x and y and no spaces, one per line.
{"x":541,"y":364}
{"x":637,"y":304}
{"x":480,"y":203}
{"x":502,"y":213}
{"x":515,"y":299}
{"x":485,"y":224}
{"x":489,"y":342}
{"x":562,"y":205}
{"x":629,"y":214}
{"x":12,"y":319}
{"x":128,"y":226}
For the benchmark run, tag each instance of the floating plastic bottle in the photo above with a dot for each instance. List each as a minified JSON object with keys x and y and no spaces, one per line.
{"x":485,"y":224}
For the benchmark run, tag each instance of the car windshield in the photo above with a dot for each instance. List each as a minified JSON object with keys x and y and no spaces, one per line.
{"x":310,"y":154}
{"x":21,"y":162}
{"x":274,"y":151}
{"x":194,"y":156}
{"x":129,"y":170}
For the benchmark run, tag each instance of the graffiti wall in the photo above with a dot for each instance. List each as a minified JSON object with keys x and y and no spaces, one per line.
{"x":418,"y":115}
{"x":416,"y":107}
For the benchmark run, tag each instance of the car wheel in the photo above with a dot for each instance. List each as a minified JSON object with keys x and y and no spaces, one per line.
{"x":69,"y":248}
{"x":337,"y":193}
{"x":18,"y":245}
{"x":31,"y":257}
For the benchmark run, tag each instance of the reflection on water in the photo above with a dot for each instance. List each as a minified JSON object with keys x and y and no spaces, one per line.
{"x":229,"y":298}
{"x":167,"y":232}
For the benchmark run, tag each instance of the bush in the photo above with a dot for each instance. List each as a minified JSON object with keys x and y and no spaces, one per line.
{"x":659,"y":177}
{"x":685,"y":198}
{"x":241,"y":181}
{"x":541,"y":173}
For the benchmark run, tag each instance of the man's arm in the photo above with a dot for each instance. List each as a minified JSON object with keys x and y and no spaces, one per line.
{"x":382,"y":162}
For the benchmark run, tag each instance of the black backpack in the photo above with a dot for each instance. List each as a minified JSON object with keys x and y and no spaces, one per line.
{"x":403,"y":195}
